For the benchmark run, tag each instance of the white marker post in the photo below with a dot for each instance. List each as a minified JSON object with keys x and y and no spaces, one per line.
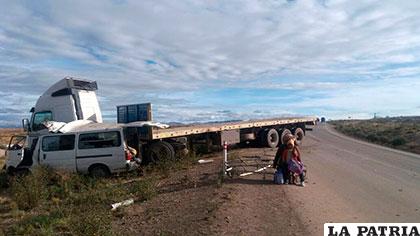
{"x":224,"y":157}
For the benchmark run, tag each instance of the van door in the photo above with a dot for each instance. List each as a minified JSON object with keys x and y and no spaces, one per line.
{"x":58,"y":152}
{"x":15,"y":151}
{"x":104,"y":147}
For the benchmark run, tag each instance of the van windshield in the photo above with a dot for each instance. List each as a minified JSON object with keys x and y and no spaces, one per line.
{"x":39,"y":118}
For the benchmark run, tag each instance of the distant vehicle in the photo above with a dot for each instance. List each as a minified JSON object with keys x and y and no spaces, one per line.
{"x":70,"y":102}
{"x":322,"y":119}
{"x":96,"y":149}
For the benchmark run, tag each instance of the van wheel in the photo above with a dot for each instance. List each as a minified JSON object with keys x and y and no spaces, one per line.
{"x":99,"y":171}
{"x":160,"y":151}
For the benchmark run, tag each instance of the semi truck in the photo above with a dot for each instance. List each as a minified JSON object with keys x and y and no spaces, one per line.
{"x":72,"y":103}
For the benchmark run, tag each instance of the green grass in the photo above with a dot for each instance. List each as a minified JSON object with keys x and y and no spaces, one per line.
{"x":164,"y":168}
{"x":49,"y":203}
{"x":398,"y":132}
{"x":65,"y":203}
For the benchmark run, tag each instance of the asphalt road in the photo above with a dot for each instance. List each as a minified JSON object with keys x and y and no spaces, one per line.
{"x":354,"y":181}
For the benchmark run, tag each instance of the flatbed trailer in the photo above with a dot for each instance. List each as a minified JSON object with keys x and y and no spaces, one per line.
{"x":158,"y":133}
{"x":157,"y":143}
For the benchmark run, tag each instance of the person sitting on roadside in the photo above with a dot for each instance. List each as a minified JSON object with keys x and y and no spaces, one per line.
{"x":292,"y":162}
{"x":278,"y":163}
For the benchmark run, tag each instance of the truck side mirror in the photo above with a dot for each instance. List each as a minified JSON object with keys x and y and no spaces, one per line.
{"x":25,"y":125}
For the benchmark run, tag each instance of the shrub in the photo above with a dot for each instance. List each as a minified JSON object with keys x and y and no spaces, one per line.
{"x":372,"y":138}
{"x":90,"y":219}
{"x":144,"y":189}
{"x":30,"y":189}
{"x":37,"y":225}
{"x":398,"y":141}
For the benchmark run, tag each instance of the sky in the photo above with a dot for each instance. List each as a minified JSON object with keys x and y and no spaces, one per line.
{"x":209,"y":60}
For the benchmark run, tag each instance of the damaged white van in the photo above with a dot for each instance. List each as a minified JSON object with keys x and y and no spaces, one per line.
{"x":96,"y":149}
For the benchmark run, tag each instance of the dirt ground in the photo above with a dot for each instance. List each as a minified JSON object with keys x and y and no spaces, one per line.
{"x":7,"y":133}
{"x":193,"y":202}
{"x":186,"y":204}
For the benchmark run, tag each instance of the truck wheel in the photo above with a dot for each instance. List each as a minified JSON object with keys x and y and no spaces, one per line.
{"x":299,"y":134}
{"x":99,"y":171}
{"x":283,"y":135}
{"x":160,"y":151}
{"x":270,"y":138}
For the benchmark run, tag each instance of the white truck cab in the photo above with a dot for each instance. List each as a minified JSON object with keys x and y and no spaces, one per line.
{"x":69,"y":99}
{"x":96,"y":149}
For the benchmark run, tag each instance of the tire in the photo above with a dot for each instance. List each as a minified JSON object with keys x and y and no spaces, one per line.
{"x":172,"y":150}
{"x":270,"y":138}
{"x":99,"y":171}
{"x":160,"y":151}
{"x":299,"y":134}
{"x":283,"y":135}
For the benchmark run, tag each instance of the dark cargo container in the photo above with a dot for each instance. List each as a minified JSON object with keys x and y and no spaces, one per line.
{"x":134,"y":112}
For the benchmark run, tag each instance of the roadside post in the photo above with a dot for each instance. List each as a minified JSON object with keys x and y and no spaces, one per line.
{"x":228,"y":137}
{"x":225,"y":157}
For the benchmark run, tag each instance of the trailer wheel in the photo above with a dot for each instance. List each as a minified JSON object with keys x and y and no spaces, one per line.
{"x":283,"y":135}
{"x":270,"y":138}
{"x":160,"y":151}
{"x":299,"y":134}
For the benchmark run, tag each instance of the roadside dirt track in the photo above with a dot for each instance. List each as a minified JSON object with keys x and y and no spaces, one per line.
{"x":348,"y":181}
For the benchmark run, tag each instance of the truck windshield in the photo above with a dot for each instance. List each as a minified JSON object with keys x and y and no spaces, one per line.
{"x":39,"y":118}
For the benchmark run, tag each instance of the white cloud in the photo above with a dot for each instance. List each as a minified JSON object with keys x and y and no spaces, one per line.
{"x":140,"y":50}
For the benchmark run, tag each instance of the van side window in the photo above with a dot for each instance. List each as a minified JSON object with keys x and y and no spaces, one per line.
{"x":58,"y":143}
{"x":40,"y":117}
{"x":100,"y":140}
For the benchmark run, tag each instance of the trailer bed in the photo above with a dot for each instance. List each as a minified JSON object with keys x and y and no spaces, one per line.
{"x":179,"y":131}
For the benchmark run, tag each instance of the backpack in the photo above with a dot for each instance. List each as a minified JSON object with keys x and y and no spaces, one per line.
{"x":295,"y":166}
{"x":278,"y":177}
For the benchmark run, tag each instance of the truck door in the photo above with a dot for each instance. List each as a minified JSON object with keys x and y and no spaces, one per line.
{"x":58,"y":152}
